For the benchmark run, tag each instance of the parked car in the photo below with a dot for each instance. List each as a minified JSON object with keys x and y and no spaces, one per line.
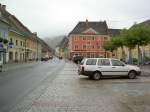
{"x":95,"y":68}
{"x":147,"y":63}
{"x":1,"y":62}
{"x":44,"y":59}
{"x":77,"y":59}
{"x":60,"y":57}
{"x":50,"y":57}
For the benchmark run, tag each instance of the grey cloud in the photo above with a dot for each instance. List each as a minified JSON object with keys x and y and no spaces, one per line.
{"x":58,"y":17}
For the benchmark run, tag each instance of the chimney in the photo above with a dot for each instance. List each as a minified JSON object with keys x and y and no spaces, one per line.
{"x":87,"y":23}
{"x":4,"y":7}
{"x":35,"y":33}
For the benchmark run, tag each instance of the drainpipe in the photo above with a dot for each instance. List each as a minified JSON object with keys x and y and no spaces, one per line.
{"x":25,"y":51}
{"x":37,"y":48}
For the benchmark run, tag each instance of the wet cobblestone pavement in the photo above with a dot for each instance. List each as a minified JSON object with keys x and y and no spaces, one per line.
{"x":72,"y":93}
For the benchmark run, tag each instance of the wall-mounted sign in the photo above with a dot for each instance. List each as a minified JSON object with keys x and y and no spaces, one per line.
{"x":10,"y":45}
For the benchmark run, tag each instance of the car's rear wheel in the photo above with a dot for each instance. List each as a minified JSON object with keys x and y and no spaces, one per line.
{"x":96,"y":76}
{"x":132,"y":75}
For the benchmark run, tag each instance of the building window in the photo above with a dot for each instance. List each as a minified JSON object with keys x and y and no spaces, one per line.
{"x":76,"y":46}
{"x":89,"y":37}
{"x":93,"y":38}
{"x":92,"y":55}
{"x":98,"y":47}
{"x":105,"y":38}
{"x":88,"y":42}
{"x":88,"y":47}
{"x":75,"y":38}
{"x":84,"y":46}
{"x":84,"y":38}
{"x":16,"y":42}
{"x":21,"y":43}
{"x":93,"y":47}
{"x":84,"y":54}
{"x":88,"y":55}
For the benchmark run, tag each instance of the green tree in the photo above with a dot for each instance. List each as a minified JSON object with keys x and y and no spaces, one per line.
{"x":129,"y":41}
{"x":109,"y":46}
{"x":118,"y":43}
{"x":140,"y":36}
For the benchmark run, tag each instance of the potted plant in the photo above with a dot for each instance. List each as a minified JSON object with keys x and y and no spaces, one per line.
{"x":5,"y":41}
{"x":135,"y":61}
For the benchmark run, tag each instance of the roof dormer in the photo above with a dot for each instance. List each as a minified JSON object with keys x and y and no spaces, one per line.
{"x":90,"y":31}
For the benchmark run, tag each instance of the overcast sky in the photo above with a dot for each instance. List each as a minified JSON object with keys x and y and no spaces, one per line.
{"x":58,"y":17}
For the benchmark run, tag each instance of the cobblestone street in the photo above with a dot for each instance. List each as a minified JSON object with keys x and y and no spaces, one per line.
{"x":72,"y":93}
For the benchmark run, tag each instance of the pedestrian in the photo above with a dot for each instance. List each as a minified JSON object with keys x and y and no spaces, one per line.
{"x":1,"y":62}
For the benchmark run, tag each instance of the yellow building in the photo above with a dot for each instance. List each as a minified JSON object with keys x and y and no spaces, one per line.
{"x":23,"y":45}
{"x":144,"y":52}
{"x":17,"y":47}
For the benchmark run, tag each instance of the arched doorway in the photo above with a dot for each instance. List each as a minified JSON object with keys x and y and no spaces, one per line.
{"x":10,"y":56}
{"x":16,"y":56}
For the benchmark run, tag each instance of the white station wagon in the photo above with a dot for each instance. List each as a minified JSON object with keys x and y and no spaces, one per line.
{"x":95,"y":68}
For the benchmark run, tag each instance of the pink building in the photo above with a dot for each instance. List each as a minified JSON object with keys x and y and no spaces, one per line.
{"x":87,"y":39}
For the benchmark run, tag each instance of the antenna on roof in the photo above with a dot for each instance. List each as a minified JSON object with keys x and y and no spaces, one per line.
{"x":87,"y":23}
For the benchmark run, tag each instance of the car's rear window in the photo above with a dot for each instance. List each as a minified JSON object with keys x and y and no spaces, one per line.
{"x":91,"y":62}
{"x":104,"y":62}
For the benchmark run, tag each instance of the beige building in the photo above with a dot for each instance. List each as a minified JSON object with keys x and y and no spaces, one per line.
{"x":17,"y":47}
